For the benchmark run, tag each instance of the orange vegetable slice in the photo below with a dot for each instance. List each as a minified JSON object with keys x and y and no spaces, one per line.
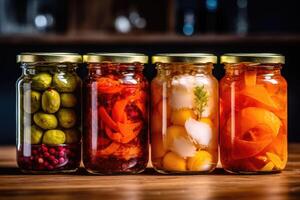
{"x":250,"y":78}
{"x":252,"y":142}
{"x":127,"y":132}
{"x":108,"y":150}
{"x":275,"y":159}
{"x":251,"y":117}
{"x":128,"y":151}
{"x":258,"y":95}
{"x":108,"y":85}
{"x":107,"y":119}
{"x":268,"y":167}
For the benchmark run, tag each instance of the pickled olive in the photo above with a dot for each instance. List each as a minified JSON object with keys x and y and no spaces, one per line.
{"x":53,"y":137}
{"x":31,"y":101}
{"x":44,"y":120}
{"x":72,"y":136}
{"x":253,"y":133}
{"x":33,"y":135}
{"x":65,"y":82}
{"x":68,"y":100}
{"x":66,"y":117}
{"x":41,"y":81}
{"x":50,"y":101}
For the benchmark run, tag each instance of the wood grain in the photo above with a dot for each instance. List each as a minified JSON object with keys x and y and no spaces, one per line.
{"x":149,"y":185}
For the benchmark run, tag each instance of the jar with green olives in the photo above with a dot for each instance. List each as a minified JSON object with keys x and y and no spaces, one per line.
{"x":49,"y":112}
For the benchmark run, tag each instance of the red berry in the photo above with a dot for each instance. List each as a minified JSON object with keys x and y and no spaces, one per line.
{"x":52,"y":150}
{"x":55,"y":161}
{"x":46,"y":154}
{"x":61,"y":154}
{"x":50,"y":167}
{"x":44,"y":148}
{"x":46,"y":163}
{"x":51,"y":158}
{"x":60,"y":148}
{"x":61,"y":160}
{"x":40,"y":160}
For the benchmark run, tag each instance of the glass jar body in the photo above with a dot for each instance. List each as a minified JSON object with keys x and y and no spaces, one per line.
{"x":253,"y":118}
{"x":116,"y":119}
{"x":184,"y":119}
{"x":48,"y":118}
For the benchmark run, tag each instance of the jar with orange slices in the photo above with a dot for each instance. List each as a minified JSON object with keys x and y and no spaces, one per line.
{"x":184,"y":114}
{"x":115,"y":139}
{"x":253,"y":113}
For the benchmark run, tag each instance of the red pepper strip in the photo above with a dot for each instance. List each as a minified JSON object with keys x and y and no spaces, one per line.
{"x":108,"y":150}
{"x":107,"y":119}
{"x":118,"y":113}
{"x":108,"y":85}
{"x":127,"y":132}
{"x":252,"y":142}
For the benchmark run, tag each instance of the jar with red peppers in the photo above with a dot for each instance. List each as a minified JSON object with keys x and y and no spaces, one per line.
{"x":49,"y":113}
{"x":115,"y":137}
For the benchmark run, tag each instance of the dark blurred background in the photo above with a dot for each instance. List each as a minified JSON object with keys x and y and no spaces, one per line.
{"x":148,"y":26}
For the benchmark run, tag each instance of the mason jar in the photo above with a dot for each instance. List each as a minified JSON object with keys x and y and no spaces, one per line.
{"x":115,"y":139}
{"x":48,"y":113}
{"x":253,"y":113}
{"x":184,"y":114}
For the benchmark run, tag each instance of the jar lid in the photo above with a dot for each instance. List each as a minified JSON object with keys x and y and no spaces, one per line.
{"x":115,"y":58}
{"x":184,"y":58}
{"x":55,"y":57}
{"x":271,"y":58}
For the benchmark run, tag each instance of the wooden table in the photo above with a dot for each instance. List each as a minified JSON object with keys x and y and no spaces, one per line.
{"x":149,"y":185}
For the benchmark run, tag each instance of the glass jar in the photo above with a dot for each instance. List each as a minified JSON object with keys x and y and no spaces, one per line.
{"x":48,"y":113}
{"x":116,"y":115}
{"x":253,"y":114}
{"x":184,"y":114}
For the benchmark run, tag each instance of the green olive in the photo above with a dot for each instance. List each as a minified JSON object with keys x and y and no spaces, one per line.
{"x":66,"y":117}
{"x":31,"y":101}
{"x":65,"y":82}
{"x":68,"y":100}
{"x":41,"y":81}
{"x":33,"y":135}
{"x":50,"y":101}
{"x":55,"y":136}
{"x":44,"y":120}
{"x":72,"y":136}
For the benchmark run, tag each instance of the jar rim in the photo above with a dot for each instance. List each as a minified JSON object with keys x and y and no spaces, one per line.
{"x":192,"y":58}
{"x":115,"y":58}
{"x":267,"y":58}
{"x":49,"y":57}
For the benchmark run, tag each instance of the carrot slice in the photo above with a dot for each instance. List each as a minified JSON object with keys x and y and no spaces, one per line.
{"x":108,"y":85}
{"x":250,"y":78}
{"x":128,"y":151}
{"x":107,"y":119}
{"x":251,"y":117}
{"x":128,"y":131}
{"x":258,"y":95}
{"x":252,"y":142}
{"x":118,"y":113}
{"x":113,"y":147}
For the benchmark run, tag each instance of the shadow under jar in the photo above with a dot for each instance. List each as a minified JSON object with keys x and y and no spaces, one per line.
{"x":48,"y":113}
{"x":253,"y":114}
{"x":116,"y":115}
{"x":184,"y":114}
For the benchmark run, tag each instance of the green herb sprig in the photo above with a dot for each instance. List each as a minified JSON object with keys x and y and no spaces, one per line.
{"x":201,"y":99}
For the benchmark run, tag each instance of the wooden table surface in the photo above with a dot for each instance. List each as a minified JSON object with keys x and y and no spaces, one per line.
{"x":149,"y":185}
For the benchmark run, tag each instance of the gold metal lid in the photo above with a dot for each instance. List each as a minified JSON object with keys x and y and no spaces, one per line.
{"x":115,"y":58}
{"x":253,"y":58}
{"x":55,"y":57}
{"x":184,"y":58}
